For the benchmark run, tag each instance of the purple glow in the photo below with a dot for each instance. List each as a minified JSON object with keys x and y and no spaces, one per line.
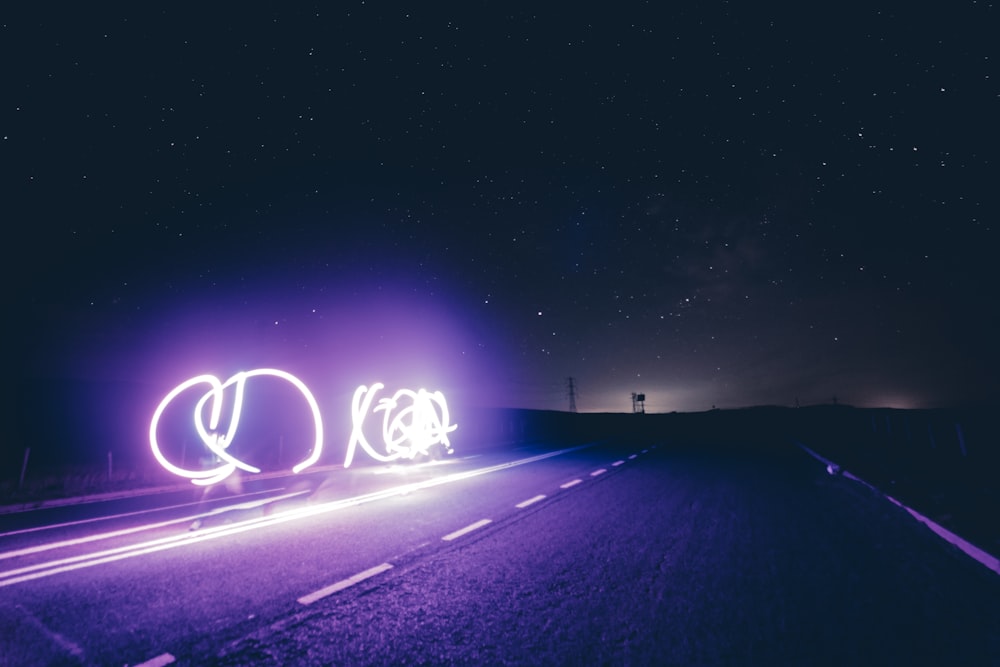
{"x":218,"y":443}
{"x":413,"y":430}
{"x":408,"y":431}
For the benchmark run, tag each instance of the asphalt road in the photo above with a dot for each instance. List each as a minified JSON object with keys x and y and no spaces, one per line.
{"x":671,"y":555}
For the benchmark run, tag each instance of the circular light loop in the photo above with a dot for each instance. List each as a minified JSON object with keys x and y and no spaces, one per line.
{"x":217,"y":442}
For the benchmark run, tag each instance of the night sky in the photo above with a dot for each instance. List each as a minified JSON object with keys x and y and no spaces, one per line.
{"x":716,"y":205}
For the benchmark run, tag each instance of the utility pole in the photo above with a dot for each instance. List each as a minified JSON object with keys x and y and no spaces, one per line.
{"x":571,"y":389}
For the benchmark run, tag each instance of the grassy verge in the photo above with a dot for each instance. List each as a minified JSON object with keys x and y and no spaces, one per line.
{"x":81,"y":480}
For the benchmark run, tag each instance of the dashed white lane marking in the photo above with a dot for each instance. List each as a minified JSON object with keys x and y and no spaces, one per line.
{"x":598,"y":472}
{"x":62,"y":642}
{"x":644,"y":451}
{"x":468,"y":529}
{"x":530,"y":501}
{"x":344,"y":583}
{"x":632,"y":456}
{"x":569,"y":484}
{"x":617,"y":463}
{"x":159,"y":661}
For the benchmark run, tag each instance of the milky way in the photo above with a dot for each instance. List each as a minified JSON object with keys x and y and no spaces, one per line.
{"x":716,"y":206}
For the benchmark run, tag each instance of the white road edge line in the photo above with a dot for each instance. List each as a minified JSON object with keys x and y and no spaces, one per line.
{"x":600,"y":471}
{"x":569,"y":484}
{"x":344,"y":583}
{"x":530,"y":501}
{"x":468,"y":529}
{"x":158,"y":661}
{"x":971,"y":550}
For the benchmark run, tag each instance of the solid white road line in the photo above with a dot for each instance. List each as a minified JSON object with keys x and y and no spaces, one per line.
{"x":569,"y":484}
{"x":598,"y":472}
{"x":468,"y":529}
{"x":159,"y":661}
{"x":344,"y":583}
{"x":971,"y":550}
{"x":530,"y":501}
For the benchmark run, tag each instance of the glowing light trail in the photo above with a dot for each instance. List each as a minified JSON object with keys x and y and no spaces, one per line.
{"x":138,"y":529}
{"x":413,"y":423}
{"x":218,"y":443}
{"x":69,"y":564}
{"x":413,"y":430}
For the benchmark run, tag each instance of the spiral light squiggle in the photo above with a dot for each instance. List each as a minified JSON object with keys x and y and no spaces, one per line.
{"x":412,"y":430}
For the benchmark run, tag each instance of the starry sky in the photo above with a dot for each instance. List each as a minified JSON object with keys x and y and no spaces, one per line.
{"x":715,"y":204}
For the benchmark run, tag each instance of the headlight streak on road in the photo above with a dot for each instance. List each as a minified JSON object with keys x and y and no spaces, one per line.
{"x":148,"y":526}
{"x":406,"y":469}
{"x":40,"y":570}
{"x":110,"y":517}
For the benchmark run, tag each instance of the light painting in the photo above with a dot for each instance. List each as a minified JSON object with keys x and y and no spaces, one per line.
{"x":218,"y":442}
{"x":420,"y":423}
{"x":413,"y":423}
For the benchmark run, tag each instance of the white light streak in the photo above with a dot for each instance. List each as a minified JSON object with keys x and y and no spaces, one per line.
{"x":138,"y":529}
{"x":69,"y":564}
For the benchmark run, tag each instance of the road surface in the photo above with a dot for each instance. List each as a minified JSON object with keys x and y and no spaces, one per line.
{"x":613,"y":553}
